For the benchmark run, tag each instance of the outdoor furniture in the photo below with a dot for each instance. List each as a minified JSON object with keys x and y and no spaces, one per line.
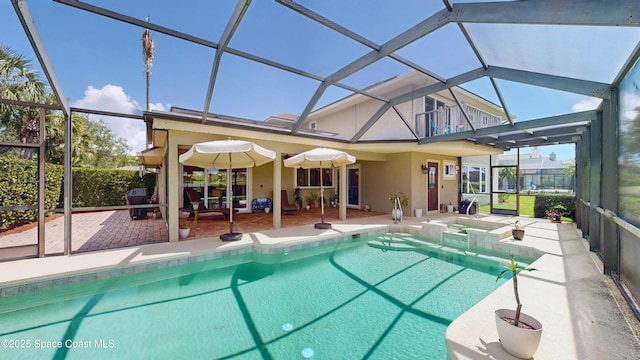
{"x":137,"y":196}
{"x":194,"y":197}
{"x":216,"y":194}
{"x":259,"y":204}
{"x":287,"y":208}
{"x":464,"y":204}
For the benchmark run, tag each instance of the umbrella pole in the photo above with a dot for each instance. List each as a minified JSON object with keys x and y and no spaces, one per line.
{"x":230,"y":199}
{"x":321,"y":196}
{"x":231,"y":236}
{"x":322,"y":224}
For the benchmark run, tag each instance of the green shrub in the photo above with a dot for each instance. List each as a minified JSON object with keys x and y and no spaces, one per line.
{"x":91,"y":188}
{"x":544,"y":202}
{"x":102,"y":187}
{"x":19,"y":187}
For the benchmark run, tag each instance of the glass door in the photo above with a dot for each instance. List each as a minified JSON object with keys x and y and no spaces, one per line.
{"x":505,"y":190}
{"x":353,"y":186}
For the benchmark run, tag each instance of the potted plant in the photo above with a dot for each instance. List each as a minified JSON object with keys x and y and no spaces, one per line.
{"x":519,"y":333}
{"x":184,"y":230}
{"x":297,"y":197}
{"x":398,"y":200}
{"x":334,"y":199}
{"x":518,"y":230}
{"x":556,"y":213}
{"x":312,"y":198}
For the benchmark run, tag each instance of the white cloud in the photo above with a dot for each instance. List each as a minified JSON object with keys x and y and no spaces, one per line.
{"x":629,"y":102}
{"x":112,"y":98}
{"x":109,"y":98}
{"x":590,"y":103}
{"x":159,"y":107}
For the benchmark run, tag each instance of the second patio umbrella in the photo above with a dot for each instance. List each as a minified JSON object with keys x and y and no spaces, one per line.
{"x":320,"y":158}
{"x":227,"y":154}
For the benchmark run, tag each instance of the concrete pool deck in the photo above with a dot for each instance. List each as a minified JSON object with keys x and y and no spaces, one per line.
{"x":583,"y":313}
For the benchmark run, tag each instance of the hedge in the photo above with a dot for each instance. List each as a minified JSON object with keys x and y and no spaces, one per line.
{"x":91,"y":188}
{"x":544,"y":202}
{"x":103,"y":187}
{"x":19,"y":187}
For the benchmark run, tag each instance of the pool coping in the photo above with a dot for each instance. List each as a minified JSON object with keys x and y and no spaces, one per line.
{"x":583,"y":315}
{"x":27,"y":275}
{"x":599,"y":321}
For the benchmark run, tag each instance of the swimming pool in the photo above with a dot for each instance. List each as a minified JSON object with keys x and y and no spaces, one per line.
{"x":381,"y":297}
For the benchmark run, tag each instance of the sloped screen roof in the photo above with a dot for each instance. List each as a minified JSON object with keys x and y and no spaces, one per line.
{"x":257,"y":59}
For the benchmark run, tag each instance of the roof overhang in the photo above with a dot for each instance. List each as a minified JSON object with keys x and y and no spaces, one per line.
{"x":152,"y":157}
{"x":369,"y":150}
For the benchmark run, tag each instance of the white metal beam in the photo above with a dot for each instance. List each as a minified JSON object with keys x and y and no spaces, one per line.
{"x":31,"y":30}
{"x":232,"y":25}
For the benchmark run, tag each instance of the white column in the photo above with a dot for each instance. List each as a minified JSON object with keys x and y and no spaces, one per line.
{"x":173,"y":183}
{"x":343,"y":192}
{"x":277,"y":187}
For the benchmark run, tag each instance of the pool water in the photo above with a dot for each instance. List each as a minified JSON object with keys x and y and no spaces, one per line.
{"x":346,"y":300}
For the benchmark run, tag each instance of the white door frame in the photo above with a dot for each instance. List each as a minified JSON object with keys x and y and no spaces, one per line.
{"x":426,"y":185}
{"x":354,"y":166}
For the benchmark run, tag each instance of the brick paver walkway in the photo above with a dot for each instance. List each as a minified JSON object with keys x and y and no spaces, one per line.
{"x":114,"y":229}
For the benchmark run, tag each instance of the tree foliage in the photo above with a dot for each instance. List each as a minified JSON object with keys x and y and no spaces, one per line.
{"x":630,"y":139}
{"x":93,"y":143}
{"x":18,"y":81}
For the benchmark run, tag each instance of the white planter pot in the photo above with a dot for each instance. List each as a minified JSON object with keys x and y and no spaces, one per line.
{"x":519,"y":342}
{"x":267,"y":210}
{"x":418,"y":212}
{"x":449,"y":208}
{"x":396,"y":214}
{"x":184,"y":233}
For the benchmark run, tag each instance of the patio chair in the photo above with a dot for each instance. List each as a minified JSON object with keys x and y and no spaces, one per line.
{"x":195,"y":197}
{"x":287,"y":208}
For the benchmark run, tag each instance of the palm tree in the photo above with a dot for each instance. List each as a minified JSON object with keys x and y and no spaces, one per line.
{"x":18,"y":81}
{"x":147,"y":53}
{"x":508,"y":174}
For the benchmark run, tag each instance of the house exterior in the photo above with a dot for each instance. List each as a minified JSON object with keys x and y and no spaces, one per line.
{"x":389,"y":158}
{"x":540,"y":173}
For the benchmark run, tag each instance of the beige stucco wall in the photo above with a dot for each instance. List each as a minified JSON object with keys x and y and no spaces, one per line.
{"x":403,"y":172}
{"x":448,"y":187}
{"x":347,"y":120}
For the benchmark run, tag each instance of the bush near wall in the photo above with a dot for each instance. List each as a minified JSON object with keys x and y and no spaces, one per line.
{"x":544,"y":202}
{"x":19,"y":186}
{"x":101,"y":187}
{"x":91,"y":188}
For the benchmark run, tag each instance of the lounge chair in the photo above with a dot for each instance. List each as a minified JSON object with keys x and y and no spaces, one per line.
{"x":195,"y":197}
{"x":287,"y":208}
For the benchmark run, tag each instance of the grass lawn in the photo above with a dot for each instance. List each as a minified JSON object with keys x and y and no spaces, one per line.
{"x":526,"y":206}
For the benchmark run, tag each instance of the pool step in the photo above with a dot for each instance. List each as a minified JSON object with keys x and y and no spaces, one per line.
{"x":390,"y":244}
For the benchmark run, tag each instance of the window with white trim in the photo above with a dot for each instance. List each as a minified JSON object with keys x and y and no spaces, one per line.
{"x":310,"y":178}
{"x":474,"y":179}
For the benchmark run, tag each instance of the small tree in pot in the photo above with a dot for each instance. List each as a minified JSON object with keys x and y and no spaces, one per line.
{"x":519,"y":333}
{"x":518,"y":230}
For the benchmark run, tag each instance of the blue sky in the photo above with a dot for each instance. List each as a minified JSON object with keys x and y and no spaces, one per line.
{"x":99,"y":60}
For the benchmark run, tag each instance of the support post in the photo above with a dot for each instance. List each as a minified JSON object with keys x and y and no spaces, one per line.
{"x":41,"y":184}
{"x":68,"y":180}
{"x":343,"y":192}
{"x":277,"y":188}
{"x":173,"y":174}
{"x":609,"y":183}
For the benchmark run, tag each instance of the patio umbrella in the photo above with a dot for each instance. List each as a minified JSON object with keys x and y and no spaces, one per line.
{"x":227,"y":154}
{"x":320,"y":158}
